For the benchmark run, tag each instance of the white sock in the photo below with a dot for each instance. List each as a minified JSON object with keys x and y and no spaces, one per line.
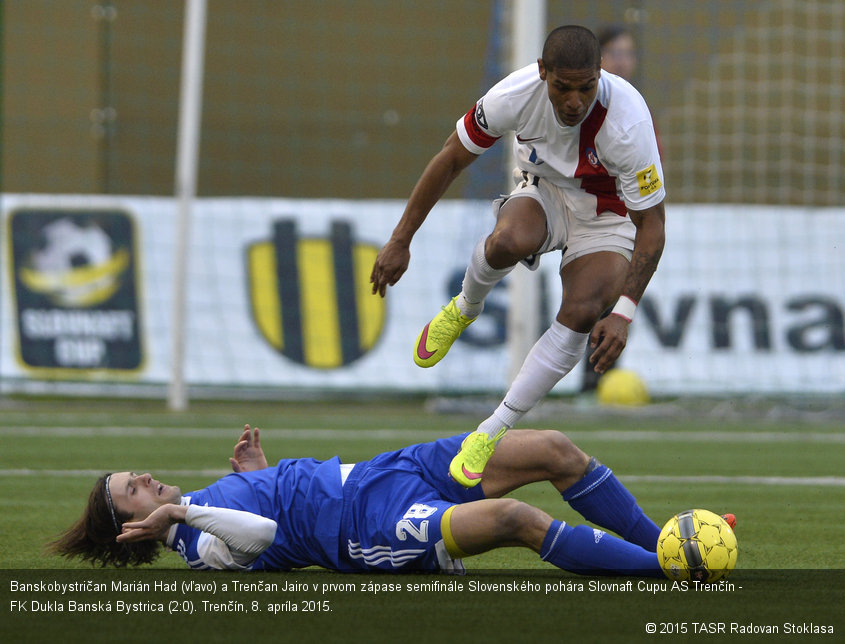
{"x":479,"y":280}
{"x":467,"y":308}
{"x":550,"y":359}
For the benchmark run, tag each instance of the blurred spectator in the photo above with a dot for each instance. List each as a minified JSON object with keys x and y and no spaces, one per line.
{"x":619,"y":56}
{"x":618,"y":51}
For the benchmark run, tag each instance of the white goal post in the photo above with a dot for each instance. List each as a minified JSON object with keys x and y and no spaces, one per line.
{"x":528,"y":32}
{"x":187,"y":160}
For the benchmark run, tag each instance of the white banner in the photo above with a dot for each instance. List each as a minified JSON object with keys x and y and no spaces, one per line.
{"x":745,"y":299}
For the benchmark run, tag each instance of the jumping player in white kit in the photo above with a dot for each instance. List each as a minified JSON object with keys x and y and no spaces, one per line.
{"x":590,"y":184}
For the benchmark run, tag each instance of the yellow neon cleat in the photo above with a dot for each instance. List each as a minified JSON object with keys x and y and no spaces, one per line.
{"x":468,"y":465}
{"x":437,"y":337}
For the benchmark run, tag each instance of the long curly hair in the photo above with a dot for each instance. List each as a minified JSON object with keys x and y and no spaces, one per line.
{"x":92,"y":537}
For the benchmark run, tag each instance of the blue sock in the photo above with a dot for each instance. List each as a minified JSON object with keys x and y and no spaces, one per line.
{"x":603,"y":500}
{"x":588,"y":551}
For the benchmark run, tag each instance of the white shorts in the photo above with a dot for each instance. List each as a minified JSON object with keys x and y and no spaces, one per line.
{"x":574,"y":233}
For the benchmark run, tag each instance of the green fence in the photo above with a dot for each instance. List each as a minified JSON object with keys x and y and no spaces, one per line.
{"x":341,"y":98}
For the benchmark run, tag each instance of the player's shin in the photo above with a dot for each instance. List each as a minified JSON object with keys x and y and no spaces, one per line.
{"x":602,"y":499}
{"x":552,"y":357}
{"x":479,"y":280}
{"x":588,"y":551}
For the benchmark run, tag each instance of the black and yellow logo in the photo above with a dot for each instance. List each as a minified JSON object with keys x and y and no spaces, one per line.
{"x":648,"y":180}
{"x":311,"y":298}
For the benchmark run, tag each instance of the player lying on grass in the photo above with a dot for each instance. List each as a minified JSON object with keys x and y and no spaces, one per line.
{"x":396,"y":512}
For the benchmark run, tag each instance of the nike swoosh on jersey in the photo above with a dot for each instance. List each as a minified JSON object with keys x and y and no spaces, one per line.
{"x":528,"y":140}
{"x":422,"y":351}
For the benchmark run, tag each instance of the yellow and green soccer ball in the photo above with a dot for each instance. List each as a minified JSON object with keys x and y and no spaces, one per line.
{"x":697,"y":545}
{"x":622,"y":387}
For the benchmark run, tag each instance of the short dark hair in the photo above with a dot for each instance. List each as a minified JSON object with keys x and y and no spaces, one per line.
{"x":609,"y":33}
{"x":571,"y":47}
{"x":92,"y":537}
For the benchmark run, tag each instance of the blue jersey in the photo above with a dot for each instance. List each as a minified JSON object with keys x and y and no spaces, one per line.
{"x":385,"y":516}
{"x":304,"y":497}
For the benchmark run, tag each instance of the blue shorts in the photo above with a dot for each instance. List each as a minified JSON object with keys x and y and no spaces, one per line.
{"x":394,"y":505}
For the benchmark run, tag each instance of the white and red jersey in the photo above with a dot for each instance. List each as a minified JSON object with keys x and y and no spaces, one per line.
{"x":608,"y":162}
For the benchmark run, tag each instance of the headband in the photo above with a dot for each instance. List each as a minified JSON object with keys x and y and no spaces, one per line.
{"x":111,"y":506}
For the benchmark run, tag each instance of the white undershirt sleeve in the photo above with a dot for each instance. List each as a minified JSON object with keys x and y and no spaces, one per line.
{"x":245,"y":534}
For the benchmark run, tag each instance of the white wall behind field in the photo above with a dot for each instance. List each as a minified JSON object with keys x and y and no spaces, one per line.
{"x":746,"y":299}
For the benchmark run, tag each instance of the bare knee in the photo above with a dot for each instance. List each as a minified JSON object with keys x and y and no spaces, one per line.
{"x":582,"y":315}
{"x":520,"y":231}
{"x":519,"y":523}
{"x":565,"y":462}
{"x":506,"y":247}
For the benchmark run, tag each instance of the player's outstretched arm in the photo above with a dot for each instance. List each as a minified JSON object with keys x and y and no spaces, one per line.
{"x":610,"y":334}
{"x":248,"y":455}
{"x":441,"y":171}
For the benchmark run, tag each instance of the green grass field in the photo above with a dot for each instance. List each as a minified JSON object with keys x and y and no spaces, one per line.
{"x":783,"y":479}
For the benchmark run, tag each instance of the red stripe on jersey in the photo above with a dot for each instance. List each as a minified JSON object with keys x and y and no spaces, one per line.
{"x":475,"y":132}
{"x":594,"y":177}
